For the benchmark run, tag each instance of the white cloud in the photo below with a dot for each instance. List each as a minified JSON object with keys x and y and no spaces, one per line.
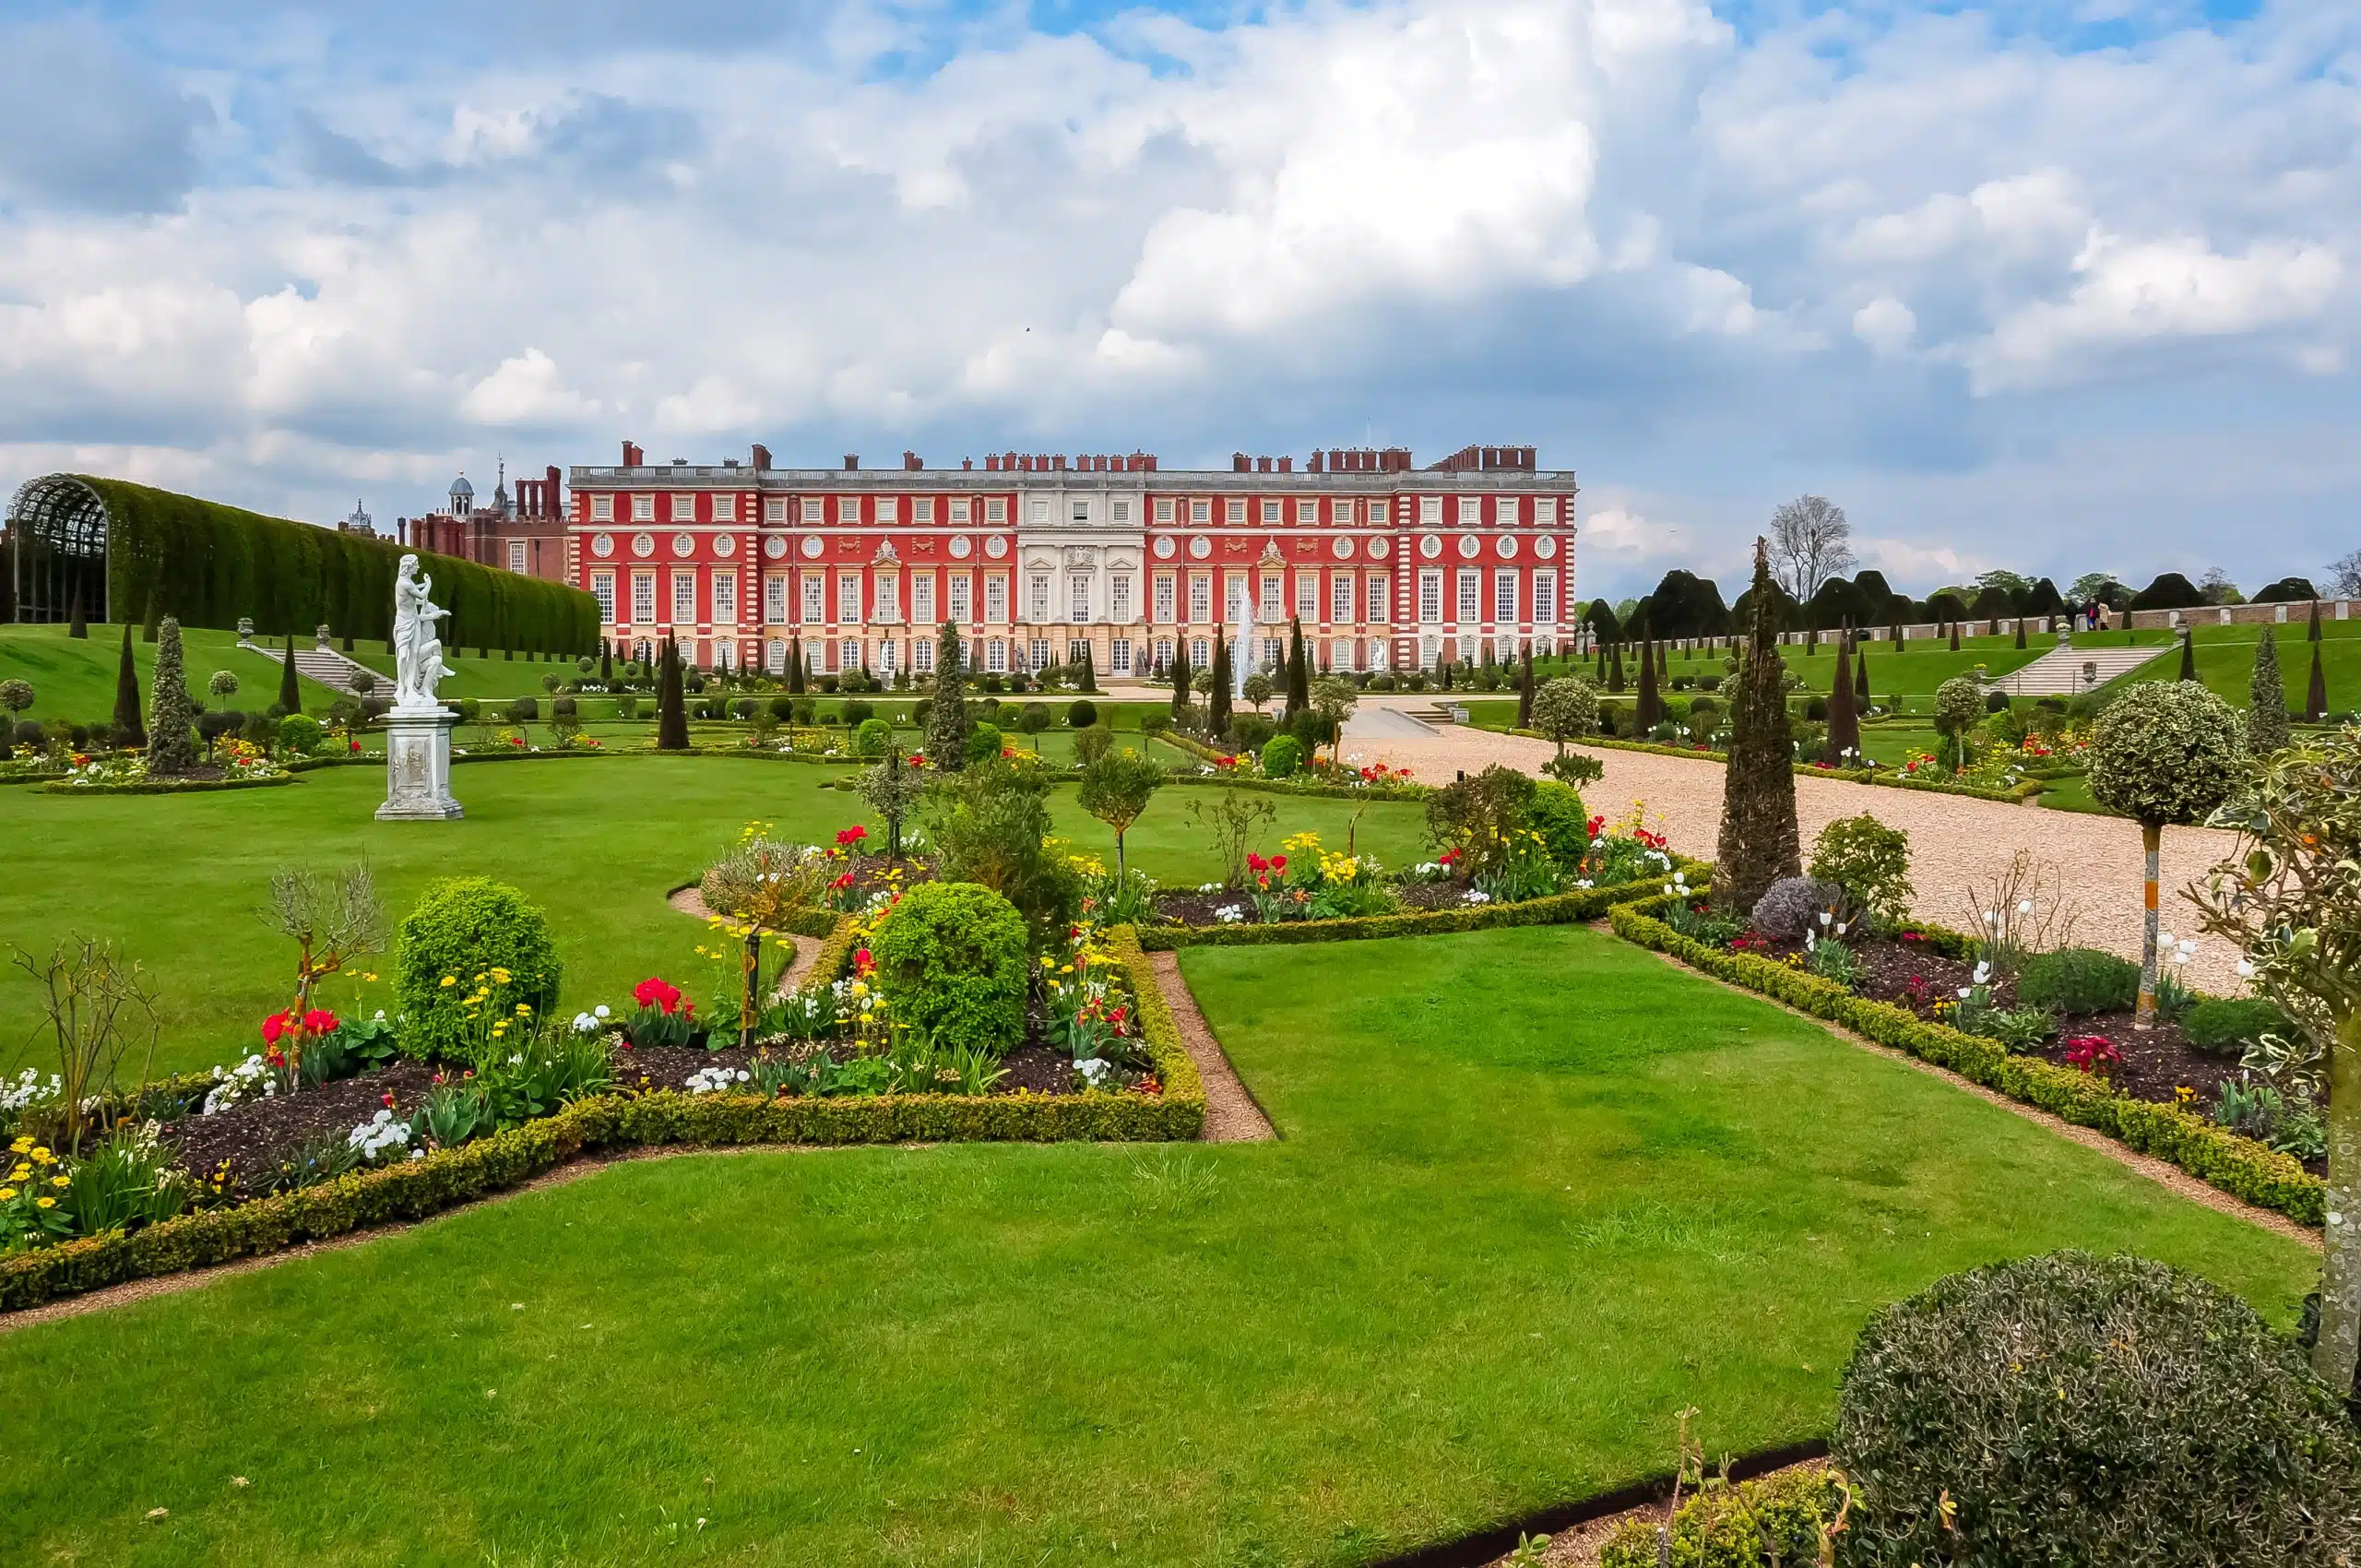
{"x":1904,"y":563}
{"x":527,"y":389}
{"x":1885,"y":324}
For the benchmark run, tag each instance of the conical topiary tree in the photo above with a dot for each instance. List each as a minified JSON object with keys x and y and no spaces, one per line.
{"x":1089,"y":672}
{"x":1615,"y":669}
{"x":2316,"y":690}
{"x":290,"y":695}
{"x":672,"y":702}
{"x":795,"y":665}
{"x":2266,"y":699}
{"x":2164,"y":753}
{"x":1954,"y":636}
{"x":1648,"y":712}
{"x":606,"y":662}
{"x":171,"y":720}
{"x":2187,"y":656}
{"x":1299,"y":675}
{"x":1759,"y":842}
{"x":1861,"y":681}
{"x":1181,"y":676}
{"x":128,"y":730}
{"x":1524,"y":690}
{"x":1844,"y":720}
{"x":949,"y":723}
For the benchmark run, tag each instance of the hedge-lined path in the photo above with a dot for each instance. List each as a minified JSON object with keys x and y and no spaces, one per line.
{"x":2163,"y":1172}
{"x":1955,"y":841}
{"x":1231,"y":1114}
{"x":690,"y":902}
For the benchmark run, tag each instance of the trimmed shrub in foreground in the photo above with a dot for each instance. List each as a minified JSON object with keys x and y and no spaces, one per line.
{"x":951,"y":959}
{"x":2094,"y":1411}
{"x":2077,"y":981}
{"x":463,"y":927}
{"x":2227,"y":1026}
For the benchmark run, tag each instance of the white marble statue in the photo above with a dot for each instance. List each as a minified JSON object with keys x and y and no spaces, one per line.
{"x":417,"y":646}
{"x":1241,"y":658}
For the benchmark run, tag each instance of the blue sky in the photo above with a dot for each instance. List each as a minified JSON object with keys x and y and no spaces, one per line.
{"x":2057,"y":287}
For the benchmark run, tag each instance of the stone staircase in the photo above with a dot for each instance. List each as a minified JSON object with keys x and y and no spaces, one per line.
{"x":2070,"y":670}
{"x":326,"y":665}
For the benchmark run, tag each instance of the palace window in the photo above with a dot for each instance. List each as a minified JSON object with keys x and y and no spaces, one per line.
{"x":849,"y":599}
{"x":1429,"y":601}
{"x":995,"y":508}
{"x":996,"y":599}
{"x":1201,"y":511}
{"x":1163,"y":651}
{"x":923,"y":598}
{"x":1118,"y":600}
{"x":643,"y":598}
{"x":922,"y":655}
{"x":1080,"y":511}
{"x":774,"y":659}
{"x":847,"y":508}
{"x":725,"y":597}
{"x":643,"y":509}
{"x":815,"y":594}
{"x":1271,"y":609}
{"x":1340,"y":598}
{"x":1471,"y":511}
{"x":888,"y":598}
{"x":1164,"y":596}
{"x":1201,"y":599}
{"x":848,"y":654}
{"x":775,"y":509}
{"x":1235,"y":512}
{"x":1430,"y":515}
{"x":1545,"y":597}
{"x":922,"y":509}
{"x":1469,"y":592}
{"x":1119,"y":511}
{"x":996,"y":656}
{"x":959,"y":597}
{"x":1038,"y":600}
{"x":602,"y":508}
{"x":889,"y":509}
{"x":1040,"y":511}
{"x":1378,"y":593}
{"x":602,"y":588}
{"x":815,"y":509}
{"x":517,"y":557}
{"x":1201,"y":653}
{"x":1504,"y":594}
{"x":684,"y":508}
{"x":1164,"y":508}
{"x":1340,"y":654}
{"x":959,"y":508}
{"x":725,"y":508}
{"x":1119,"y":656}
{"x":1504,"y":511}
{"x":1270,"y":511}
{"x":1307,"y":596}
{"x":684,"y":597}
{"x":1039,"y":654}
{"x":775,"y":600}
{"x":1078,"y":597}
{"x":1307,"y":511}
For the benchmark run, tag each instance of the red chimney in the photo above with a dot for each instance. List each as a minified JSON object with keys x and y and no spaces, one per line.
{"x":1237,"y":463}
{"x":633,"y":456}
{"x":970,"y":462}
{"x":762,"y":458}
{"x":1312,"y":464}
{"x":852,"y":461}
{"x":1286,"y":465}
{"x":1261,"y":465}
{"x":910,"y":461}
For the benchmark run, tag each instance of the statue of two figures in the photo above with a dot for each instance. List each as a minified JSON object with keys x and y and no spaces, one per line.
{"x":417,"y":727}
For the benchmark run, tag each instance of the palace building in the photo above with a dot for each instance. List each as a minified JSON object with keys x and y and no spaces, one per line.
{"x":1387,"y":565}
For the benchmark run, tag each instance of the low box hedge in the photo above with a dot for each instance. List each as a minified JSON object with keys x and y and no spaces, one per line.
{"x":166,"y":786}
{"x":414,"y":1189}
{"x":1558,"y":909}
{"x":1884,"y":779}
{"x":2240,"y":1166}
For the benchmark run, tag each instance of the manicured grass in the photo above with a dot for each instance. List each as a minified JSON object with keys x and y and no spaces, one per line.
{"x":1538,"y":1191}
{"x":2225,"y":661}
{"x":73,"y":677}
{"x":178,"y":881}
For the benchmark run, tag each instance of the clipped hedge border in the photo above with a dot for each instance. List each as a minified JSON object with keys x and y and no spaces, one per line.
{"x":2240,"y":1166}
{"x":2015,"y":795}
{"x":1205,"y":753}
{"x":167,"y":786}
{"x":1557,"y":909}
{"x":416,"y":1189}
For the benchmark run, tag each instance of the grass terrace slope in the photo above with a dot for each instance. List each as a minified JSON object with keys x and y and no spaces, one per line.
{"x":1537,"y":1192}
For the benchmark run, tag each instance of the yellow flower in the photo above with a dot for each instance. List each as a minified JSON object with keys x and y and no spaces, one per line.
{"x":61,"y":1180}
{"x":499,"y":975}
{"x":42,"y":1155}
{"x":450,"y":979}
{"x":523,"y":1011}
{"x":44,"y":1203}
{"x":6,"y":1194}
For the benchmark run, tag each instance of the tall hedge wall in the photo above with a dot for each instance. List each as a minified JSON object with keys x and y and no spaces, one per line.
{"x":212,"y":565}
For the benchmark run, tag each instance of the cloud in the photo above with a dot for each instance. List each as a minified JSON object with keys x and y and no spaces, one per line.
{"x":89,"y":126}
{"x":1885,"y":324}
{"x":527,"y":390}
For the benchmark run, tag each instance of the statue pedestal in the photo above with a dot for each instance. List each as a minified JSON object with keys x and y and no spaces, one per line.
{"x":418,"y":767}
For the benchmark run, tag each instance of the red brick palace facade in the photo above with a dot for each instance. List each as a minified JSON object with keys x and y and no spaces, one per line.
{"x":1387,"y":566}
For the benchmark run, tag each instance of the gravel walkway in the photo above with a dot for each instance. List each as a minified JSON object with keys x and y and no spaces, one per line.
{"x":1231,"y":1115}
{"x":689,"y":901}
{"x":1956,"y":842}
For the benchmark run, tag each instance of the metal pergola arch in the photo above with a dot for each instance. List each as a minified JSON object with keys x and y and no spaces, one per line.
{"x":57,"y":555}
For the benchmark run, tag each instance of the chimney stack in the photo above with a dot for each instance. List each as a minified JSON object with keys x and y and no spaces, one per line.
{"x":762,"y":458}
{"x":852,"y":461}
{"x":633,"y":456}
{"x":912,"y":462}
{"x":1237,"y":463}
{"x":1286,"y":465}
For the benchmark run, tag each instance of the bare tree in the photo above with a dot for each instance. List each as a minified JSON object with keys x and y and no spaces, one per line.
{"x":1809,"y":544}
{"x":2344,"y":576}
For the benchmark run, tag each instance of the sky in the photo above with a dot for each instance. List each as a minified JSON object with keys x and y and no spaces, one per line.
{"x":2051,"y":287}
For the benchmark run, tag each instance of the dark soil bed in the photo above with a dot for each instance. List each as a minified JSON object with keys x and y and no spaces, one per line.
{"x":257,"y":1135}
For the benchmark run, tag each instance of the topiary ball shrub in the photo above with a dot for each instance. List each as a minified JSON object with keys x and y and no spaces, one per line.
{"x":301,"y":733}
{"x":1792,"y":906}
{"x":2227,"y":1026}
{"x":2167,"y":751}
{"x":1082,"y":713}
{"x":2094,"y":1411}
{"x":1959,"y":706}
{"x":462,"y":927}
{"x":951,"y":959}
{"x":872,"y":739}
{"x":984,"y":741}
{"x":856,"y":714}
{"x":1282,"y":756}
{"x":2077,"y":981}
{"x":1555,"y":812}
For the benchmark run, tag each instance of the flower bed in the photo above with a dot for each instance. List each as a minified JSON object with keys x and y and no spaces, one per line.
{"x":2236,"y":1165}
{"x":238,"y":765}
{"x":1887,"y":777}
{"x":410,"y":1182}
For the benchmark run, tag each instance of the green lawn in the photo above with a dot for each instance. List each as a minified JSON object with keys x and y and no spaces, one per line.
{"x":73,"y":677}
{"x":1538,"y":1191}
{"x":2225,"y":661}
{"x":594,"y":842}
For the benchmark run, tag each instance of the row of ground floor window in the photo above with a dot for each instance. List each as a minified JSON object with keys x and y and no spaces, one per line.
{"x":1113,"y":654}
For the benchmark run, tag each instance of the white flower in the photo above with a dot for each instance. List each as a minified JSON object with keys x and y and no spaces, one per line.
{"x":1477,"y":896}
{"x":1093,"y":1070}
{"x":2245,"y":968}
{"x":1825,"y":916}
{"x":2164,"y":939}
{"x":2024,"y":905}
{"x":1983,"y":972}
{"x":598,"y":1012}
{"x":1965,"y":991}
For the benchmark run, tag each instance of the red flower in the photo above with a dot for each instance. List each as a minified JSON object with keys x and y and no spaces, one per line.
{"x":275,"y":1057}
{"x":1278,"y":862}
{"x":1256,"y":863}
{"x":847,"y":837}
{"x":841,"y":883}
{"x":863,"y":965}
{"x":273,"y":1027}
{"x":389,"y":1100}
{"x":1596,"y":822}
{"x":659,"y":994}
{"x":319,"y":1021}
{"x":2093,"y":1053}
{"x":1224,"y":762}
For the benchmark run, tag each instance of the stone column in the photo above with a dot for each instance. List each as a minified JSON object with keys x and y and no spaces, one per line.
{"x":418,"y":768}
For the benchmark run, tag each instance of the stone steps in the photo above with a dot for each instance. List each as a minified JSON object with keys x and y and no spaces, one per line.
{"x":326,"y":665}
{"x":2069,"y":671}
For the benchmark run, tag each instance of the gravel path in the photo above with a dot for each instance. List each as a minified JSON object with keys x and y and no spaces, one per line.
{"x":689,"y":901}
{"x":1956,"y":842}
{"x":1231,"y":1115}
